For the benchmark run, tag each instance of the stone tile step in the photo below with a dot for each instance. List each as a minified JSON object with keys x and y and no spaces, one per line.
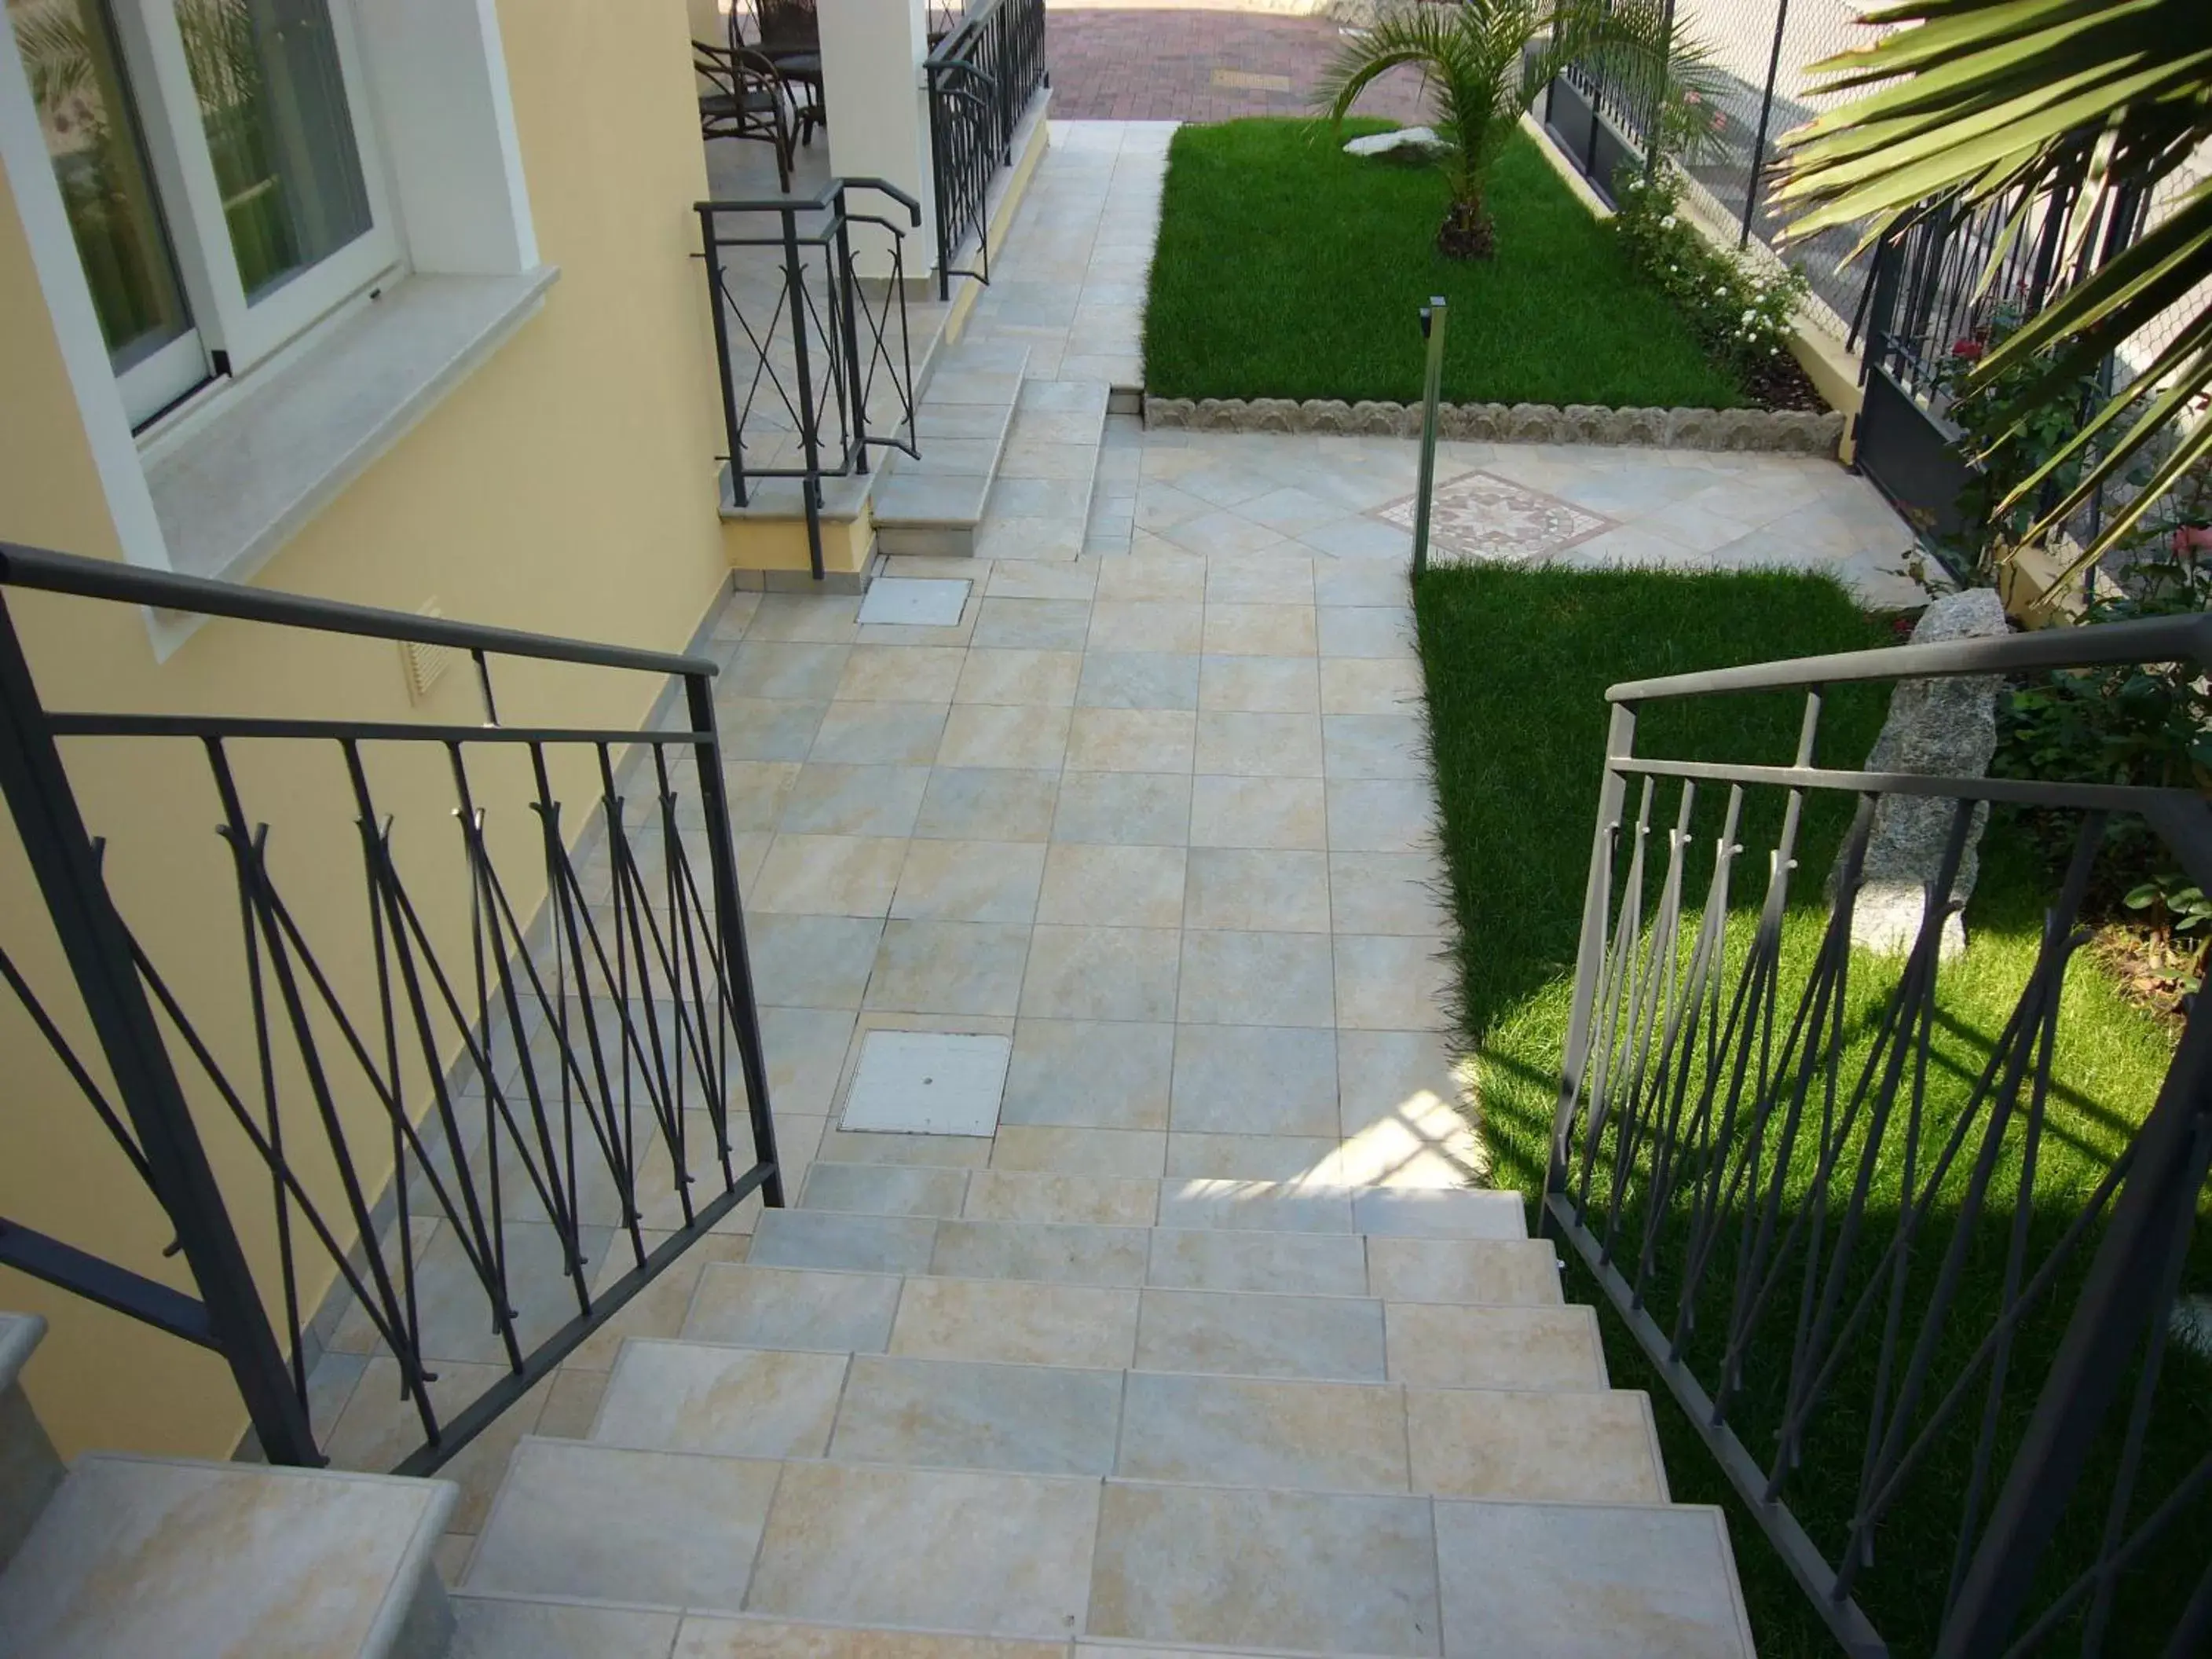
{"x":1596,"y":1446}
{"x":30,"y":1470}
{"x":1349,"y":1338}
{"x":925,"y":1190}
{"x":140,"y":1556}
{"x":1056,"y":1559}
{"x":1523,"y":1272}
{"x":929,"y":504}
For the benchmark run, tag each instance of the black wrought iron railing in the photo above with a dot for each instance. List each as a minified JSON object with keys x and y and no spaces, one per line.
{"x":816,"y":361}
{"x":487,"y":1100}
{"x":983,"y":76}
{"x":1821,"y":1197}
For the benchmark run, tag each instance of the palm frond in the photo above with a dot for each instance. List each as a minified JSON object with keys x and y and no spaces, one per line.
{"x":2049,"y":107}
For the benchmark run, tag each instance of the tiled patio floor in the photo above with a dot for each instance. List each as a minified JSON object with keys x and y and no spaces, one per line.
{"x":1158,"y":806}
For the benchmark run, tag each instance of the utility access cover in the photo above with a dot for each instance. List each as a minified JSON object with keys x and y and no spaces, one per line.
{"x":928,"y":1083}
{"x":915,"y":601}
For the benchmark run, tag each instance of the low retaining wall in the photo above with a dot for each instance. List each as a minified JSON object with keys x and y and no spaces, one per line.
{"x":1778,"y":432}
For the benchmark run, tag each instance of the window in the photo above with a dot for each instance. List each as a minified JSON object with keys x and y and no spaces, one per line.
{"x":218,"y":173}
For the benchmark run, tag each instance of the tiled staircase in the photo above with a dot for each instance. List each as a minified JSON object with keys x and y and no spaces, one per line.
{"x":132,"y":1558}
{"x":938,"y":1404}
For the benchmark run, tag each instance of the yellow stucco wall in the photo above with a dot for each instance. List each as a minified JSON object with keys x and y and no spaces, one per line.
{"x":566,"y":486}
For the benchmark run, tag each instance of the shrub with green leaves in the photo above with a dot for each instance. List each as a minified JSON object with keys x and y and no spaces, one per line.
{"x":2146,"y":724}
{"x":1740,"y":309}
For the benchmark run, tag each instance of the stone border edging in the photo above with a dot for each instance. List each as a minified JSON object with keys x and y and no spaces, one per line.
{"x":1788,"y":432}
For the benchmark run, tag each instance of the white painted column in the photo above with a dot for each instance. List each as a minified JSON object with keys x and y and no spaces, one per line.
{"x":879,"y":105}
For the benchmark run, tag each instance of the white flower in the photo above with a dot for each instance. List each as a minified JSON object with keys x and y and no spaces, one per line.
{"x":1666,"y":223}
{"x":1749,"y":315}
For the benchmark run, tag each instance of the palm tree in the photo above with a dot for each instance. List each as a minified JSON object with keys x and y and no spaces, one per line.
{"x":2052,"y":102}
{"x":1485,"y":62}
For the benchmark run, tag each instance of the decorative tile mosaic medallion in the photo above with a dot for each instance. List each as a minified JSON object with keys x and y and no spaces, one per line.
{"x":1477,"y":517}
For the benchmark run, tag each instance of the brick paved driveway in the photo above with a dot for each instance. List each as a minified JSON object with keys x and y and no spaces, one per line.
{"x":1155,"y":63}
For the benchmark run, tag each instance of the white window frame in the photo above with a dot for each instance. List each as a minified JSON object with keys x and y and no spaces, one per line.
{"x":225,"y":322}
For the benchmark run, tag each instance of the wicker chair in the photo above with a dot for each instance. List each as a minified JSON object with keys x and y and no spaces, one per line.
{"x":790,"y":38}
{"x":745,"y":99}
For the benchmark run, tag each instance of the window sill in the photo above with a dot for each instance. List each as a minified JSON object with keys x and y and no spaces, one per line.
{"x":246,"y":479}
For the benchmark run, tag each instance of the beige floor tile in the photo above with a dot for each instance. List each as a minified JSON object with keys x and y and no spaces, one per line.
{"x":897,"y":673}
{"x":970,"y":881}
{"x":1040,"y":1419}
{"x":829,"y":875}
{"x":866,"y":1146}
{"x":919,"y":1189}
{"x":827,"y":618}
{"x":1167,"y":576}
{"x":1009,"y":1555}
{"x":1376,"y":745}
{"x":493,"y":1627}
{"x":987,"y":804}
{"x":1260,"y":630}
{"x":1381,"y":815}
{"x":572,"y":1401}
{"x":1078,"y":1150}
{"x":764,"y":1307}
{"x":1231,"y":1432}
{"x":1011,"y":1321}
{"x":1265,"y":579}
{"x":1131,"y":740}
{"x":1434,"y":1345}
{"x":1037,"y":579}
{"x":1404,"y":893}
{"x":1575,"y":1579}
{"x":1133,"y":808}
{"x":757,"y":790}
{"x":1048,"y":1251}
{"x":732,"y":1402}
{"x":795,"y":673}
{"x":1316,"y":1264}
{"x":1232,"y":744}
{"x":1509,"y":1271}
{"x":992,"y":734}
{"x":1086,"y":1198}
{"x":1258,"y":812}
{"x":1235,"y":1334}
{"x":1139,"y":679}
{"x":1101,"y":974}
{"x":1113,"y":886}
{"x":1369,"y":685}
{"x":828,"y":800}
{"x":1022,"y":678}
{"x":705,"y":1638}
{"x":1145,"y":625}
{"x":879,"y":733}
{"x":1255,"y":979}
{"x":1253,"y":1080}
{"x":602,"y":1522}
{"x":1260,"y":685}
{"x":949,"y":967}
{"x":1260,"y":890}
{"x":1374,"y":631}
{"x":1089,"y":1074}
{"x":1212,"y":1157}
{"x":1387,"y":983}
{"x":1585,"y":1448}
{"x":1309,"y":1571}
{"x":805,"y":1053}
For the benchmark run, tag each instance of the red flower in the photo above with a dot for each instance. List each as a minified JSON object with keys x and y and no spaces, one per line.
{"x":1967,"y":350}
{"x":2192,"y":539}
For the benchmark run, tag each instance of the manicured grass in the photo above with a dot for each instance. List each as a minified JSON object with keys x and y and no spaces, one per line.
{"x":1287,"y":269}
{"x":1517,"y":664}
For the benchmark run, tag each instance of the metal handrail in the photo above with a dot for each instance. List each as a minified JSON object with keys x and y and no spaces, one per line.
{"x":836,"y":340}
{"x":1719,"y":1121}
{"x":564,"y":1055}
{"x":999,"y":46}
{"x":2153,"y":639}
{"x":168,"y":590}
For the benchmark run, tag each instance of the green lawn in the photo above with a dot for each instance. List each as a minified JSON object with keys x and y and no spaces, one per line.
{"x":1516,"y":663}
{"x":1287,"y":269}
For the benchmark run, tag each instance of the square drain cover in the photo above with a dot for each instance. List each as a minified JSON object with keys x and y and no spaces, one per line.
{"x":915,"y":601}
{"x":928,"y":1083}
